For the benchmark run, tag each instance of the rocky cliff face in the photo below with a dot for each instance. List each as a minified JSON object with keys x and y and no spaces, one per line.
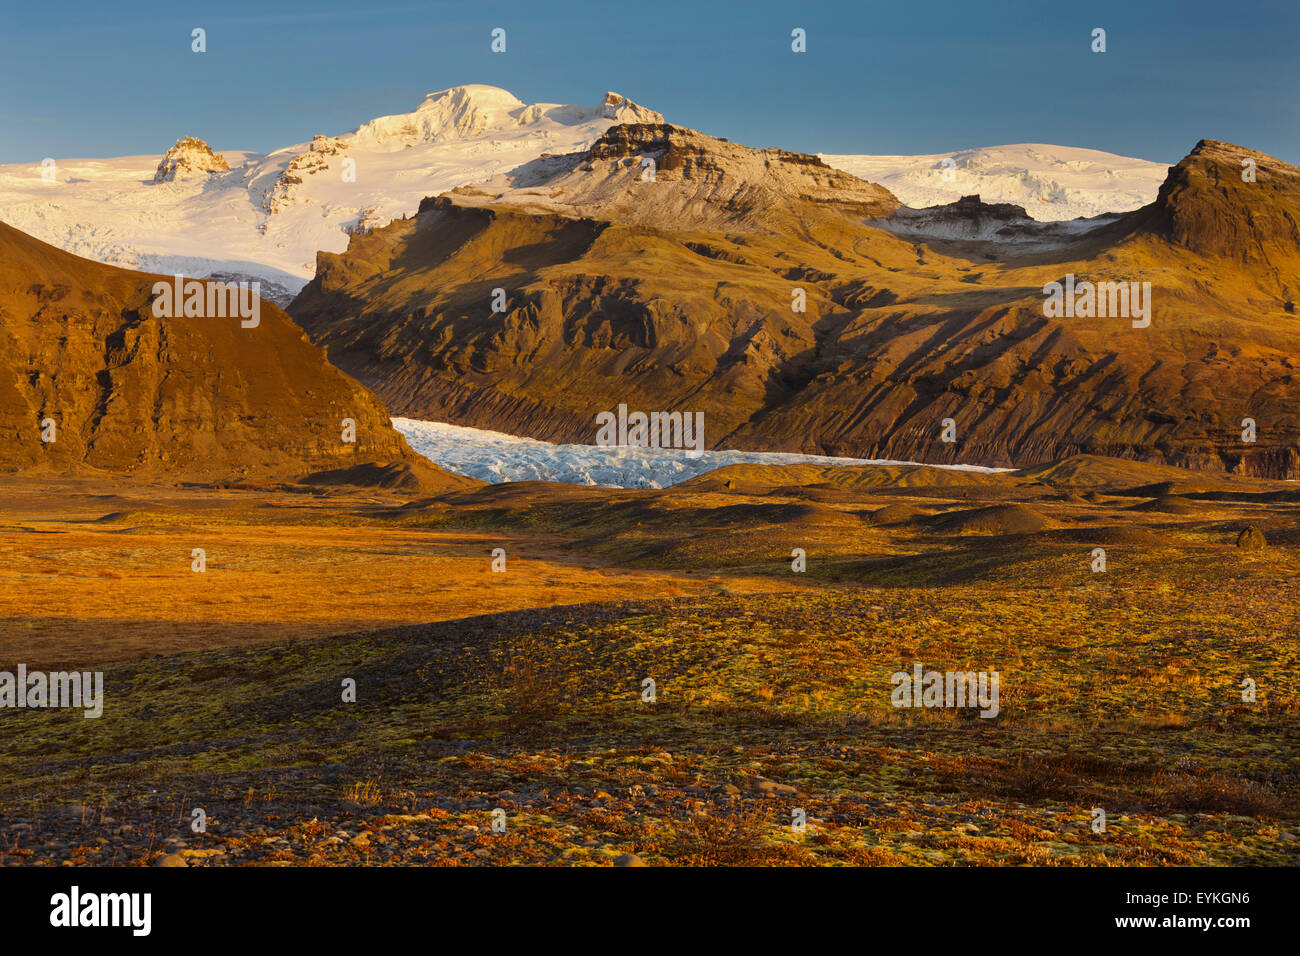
{"x":683,"y":292}
{"x":87,"y":364}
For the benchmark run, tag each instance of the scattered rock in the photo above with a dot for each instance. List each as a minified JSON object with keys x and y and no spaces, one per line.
{"x":628,"y":859}
{"x":770,"y":788}
{"x":172,"y":859}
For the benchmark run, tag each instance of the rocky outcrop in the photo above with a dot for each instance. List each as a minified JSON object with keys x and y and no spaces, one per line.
{"x":619,"y":108}
{"x":189,"y":158}
{"x":1252,"y":539}
{"x":1235,"y":205}
{"x":315,"y":159}
{"x":367,"y":219}
{"x":1229,"y":202}
{"x":657,"y":174}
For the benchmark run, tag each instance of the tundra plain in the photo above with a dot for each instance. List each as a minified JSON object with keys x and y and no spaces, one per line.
{"x":523,"y":690}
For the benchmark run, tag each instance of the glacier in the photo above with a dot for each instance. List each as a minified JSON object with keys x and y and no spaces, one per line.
{"x":1052,"y":183}
{"x":496,"y":457}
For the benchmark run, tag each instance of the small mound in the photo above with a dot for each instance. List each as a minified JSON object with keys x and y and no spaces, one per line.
{"x":1096,"y":472}
{"x":895,"y":514}
{"x":395,"y":476}
{"x":1159,"y":489}
{"x":1181,"y":488}
{"x":729,"y":479}
{"x":529,"y":494}
{"x":996,"y":519}
{"x":1168,"y":504}
{"x":782,"y":514}
{"x":820,"y":493}
{"x":1112,"y":536}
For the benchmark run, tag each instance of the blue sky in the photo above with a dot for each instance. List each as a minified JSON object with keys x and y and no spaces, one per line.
{"x":105,"y":79}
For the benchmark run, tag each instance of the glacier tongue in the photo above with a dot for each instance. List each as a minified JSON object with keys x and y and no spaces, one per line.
{"x":496,"y":457}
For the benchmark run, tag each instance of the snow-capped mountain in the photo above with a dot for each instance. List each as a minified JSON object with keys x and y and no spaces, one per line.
{"x":1051,"y":182}
{"x":267,"y":216}
{"x":231,"y":213}
{"x":496,"y":457}
{"x":472,"y":112}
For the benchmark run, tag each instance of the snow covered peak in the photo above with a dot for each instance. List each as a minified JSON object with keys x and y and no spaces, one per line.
{"x":461,"y":112}
{"x":189,"y":157}
{"x":472,"y":95}
{"x":467,"y":112}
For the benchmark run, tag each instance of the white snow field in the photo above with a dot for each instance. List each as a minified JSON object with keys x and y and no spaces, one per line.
{"x":269,"y":214}
{"x":495,"y":457}
{"x":1051,"y":182}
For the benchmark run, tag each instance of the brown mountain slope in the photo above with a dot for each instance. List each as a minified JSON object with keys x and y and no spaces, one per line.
{"x":200,"y":398}
{"x":676,"y":294}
